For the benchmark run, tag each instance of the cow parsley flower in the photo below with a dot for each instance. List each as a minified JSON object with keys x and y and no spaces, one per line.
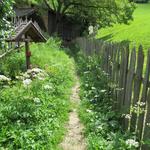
{"x":89,"y":111}
{"x":132,"y":143}
{"x":128,"y":116}
{"x":141,"y":104}
{"x":37,"y":100}
{"x":91,"y":29}
{"x":4,"y":78}
{"x":47,"y":87}
{"x":27,"y":82}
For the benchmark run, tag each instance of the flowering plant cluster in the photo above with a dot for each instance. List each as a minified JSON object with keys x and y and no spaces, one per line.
{"x":35,"y":73}
{"x":4,"y":80}
{"x":132,"y":143}
{"x":138,"y":108}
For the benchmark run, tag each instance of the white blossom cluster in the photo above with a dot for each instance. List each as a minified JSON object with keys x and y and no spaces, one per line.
{"x":4,"y":79}
{"x":32,"y":74}
{"x":48,"y":87}
{"x":141,"y":104}
{"x":139,"y":107}
{"x":127,"y":116}
{"x":91,"y":29}
{"x":27,"y":82}
{"x":148,"y":124}
{"x":36,"y":100}
{"x":132,"y":143}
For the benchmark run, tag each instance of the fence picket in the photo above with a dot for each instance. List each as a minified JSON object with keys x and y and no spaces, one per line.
{"x":122,"y":65}
{"x":144,"y":95}
{"x":128,"y":90}
{"x":137,"y":85}
{"x":147,"y":124}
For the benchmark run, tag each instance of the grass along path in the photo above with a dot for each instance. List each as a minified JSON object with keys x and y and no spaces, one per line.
{"x":74,"y":139}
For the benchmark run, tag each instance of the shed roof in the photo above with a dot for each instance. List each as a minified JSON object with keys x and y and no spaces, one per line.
{"x":21,"y":12}
{"x":30,"y":30}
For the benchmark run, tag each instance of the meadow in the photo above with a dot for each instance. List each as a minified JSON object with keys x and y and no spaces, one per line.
{"x":136,"y":32}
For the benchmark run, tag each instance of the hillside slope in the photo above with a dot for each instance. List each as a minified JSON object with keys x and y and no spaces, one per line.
{"x":137,"y":32}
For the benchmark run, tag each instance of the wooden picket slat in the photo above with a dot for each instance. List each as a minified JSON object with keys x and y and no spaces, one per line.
{"x":114,"y":63}
{"x":147,"y":124}
{"x":144,"y":95}
{"x":122,"y":65}
{"x":137,"y":85}
{"x":128,"y":90}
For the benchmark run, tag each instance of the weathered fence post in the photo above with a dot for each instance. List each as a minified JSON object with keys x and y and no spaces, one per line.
{"x":137,"y":86}
{"x":129,"y":85}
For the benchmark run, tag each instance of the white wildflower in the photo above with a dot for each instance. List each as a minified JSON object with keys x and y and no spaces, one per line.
{"x":4,"y":78}
{"x":141,"y":104}
{"x":41,"y":78}
{"x":25,"y":76}
{"x":88,"y":110}
{"x":127,"y":116}
{"x":100,"y":127}
{"x":91,"y":29}
{"x":102,"y":91}
{"x":27,"y":82}
{"x":132,"y":143}
{"x":37,"y":100}
{"x":148,"y":124}
{"x":36,"y":70}
{"x":47,"y":87}
{"x":19,"y":77}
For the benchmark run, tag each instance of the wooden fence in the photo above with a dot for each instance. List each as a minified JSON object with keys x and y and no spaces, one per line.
{"x":9,"y":47}
{"x":130,"y":71}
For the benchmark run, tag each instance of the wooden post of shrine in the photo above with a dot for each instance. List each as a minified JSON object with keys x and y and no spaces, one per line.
{"x":27,"y":53}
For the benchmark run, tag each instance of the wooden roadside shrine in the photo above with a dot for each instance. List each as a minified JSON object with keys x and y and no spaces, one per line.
{"x":27,"y":31}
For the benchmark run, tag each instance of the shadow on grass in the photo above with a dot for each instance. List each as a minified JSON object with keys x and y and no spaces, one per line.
{"x":106,"y":38}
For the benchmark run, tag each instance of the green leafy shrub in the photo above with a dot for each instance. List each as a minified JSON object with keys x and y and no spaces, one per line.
{"x":12,"y":64}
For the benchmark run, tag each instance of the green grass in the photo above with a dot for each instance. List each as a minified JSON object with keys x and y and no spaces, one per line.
{"x":137,"y":32}
{"x":25,"y":123}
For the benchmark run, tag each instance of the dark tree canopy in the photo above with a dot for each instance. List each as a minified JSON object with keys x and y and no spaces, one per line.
{"x":101,"y":12}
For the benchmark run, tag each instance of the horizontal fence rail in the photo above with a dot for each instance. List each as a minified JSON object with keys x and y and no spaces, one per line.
{"x":130,"y":74}
{"x":9,"y":47}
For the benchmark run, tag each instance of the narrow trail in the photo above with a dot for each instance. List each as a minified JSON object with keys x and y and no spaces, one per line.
{"x":74,"y":139}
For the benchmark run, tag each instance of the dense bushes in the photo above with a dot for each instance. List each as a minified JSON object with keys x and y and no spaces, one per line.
{"x":103,"y":130}
{"x":33,"y":111}
{"x":12,"y":65}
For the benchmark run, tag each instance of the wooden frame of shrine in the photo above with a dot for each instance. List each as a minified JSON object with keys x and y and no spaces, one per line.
{"x":27,"y":32}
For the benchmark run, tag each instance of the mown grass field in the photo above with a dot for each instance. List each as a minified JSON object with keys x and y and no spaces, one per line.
{"x":137,"y":32}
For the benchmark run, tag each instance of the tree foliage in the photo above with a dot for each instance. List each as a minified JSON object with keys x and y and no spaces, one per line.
{"x":5,"y":12}
{"x":101,"y":12}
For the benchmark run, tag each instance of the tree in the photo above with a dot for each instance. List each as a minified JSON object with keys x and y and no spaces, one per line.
{"x":86,"y":12}
{"x":5,"y":12}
